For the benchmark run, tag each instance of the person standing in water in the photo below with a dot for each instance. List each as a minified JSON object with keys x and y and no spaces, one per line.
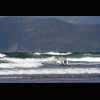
{"x":64,"y":62}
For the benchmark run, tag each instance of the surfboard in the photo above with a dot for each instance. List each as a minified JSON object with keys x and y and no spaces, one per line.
{"x":67,"y":65}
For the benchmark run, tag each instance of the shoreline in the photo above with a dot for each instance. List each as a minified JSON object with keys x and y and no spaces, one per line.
{"x":50,"y":78}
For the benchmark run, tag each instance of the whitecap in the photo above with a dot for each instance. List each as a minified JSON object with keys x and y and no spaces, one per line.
{"x":37,"y":53}
{"x":29,"y":60}
{"x":57,"y":53}
{"x":52,"y":71}
{"x":20,"y":65}
{"x":25,"y":63}
{"x":86,"y":59}
{"x":2,"y":55}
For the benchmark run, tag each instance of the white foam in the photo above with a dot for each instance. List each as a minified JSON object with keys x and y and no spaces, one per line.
{"x":29,"y":60}
{"x":17,"y":66}
{"x":37,"y":53}
{"x":86,"y":59}
{"x":20,"y":65}
{"x":25,"y":63}
{"x":57,"y":53}
{"x":52,"y":71}
{"x":53,"y":53}
{"x":2,"y":55}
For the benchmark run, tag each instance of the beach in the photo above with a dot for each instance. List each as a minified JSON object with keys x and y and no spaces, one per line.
{"x":51,"y":79}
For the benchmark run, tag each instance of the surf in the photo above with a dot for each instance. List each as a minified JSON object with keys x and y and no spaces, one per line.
{"x":25,"y":63}
{"x":86,"y":59}
{"x":43,"y":63}
{"x":2,"y":55}
{"x":53,"y":53}
{"x":51,"y":71}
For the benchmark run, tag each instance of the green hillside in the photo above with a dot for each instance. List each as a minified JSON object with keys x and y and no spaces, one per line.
{"x":31,"y":34}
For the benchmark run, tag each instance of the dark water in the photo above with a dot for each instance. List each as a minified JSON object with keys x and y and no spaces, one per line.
{"x":41,"y":67}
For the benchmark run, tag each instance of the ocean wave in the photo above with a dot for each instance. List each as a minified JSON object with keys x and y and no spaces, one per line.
{"x":2,"y":55}
{"x":87,"y":54}
{"x":57,"y":53}
{"x":37,"y":53}
{"x":52,"y":71}
{"x":20,"y":65}
{"x":29,"y":60}
{"x":53,"y":53}
{"x":86,"y":59}
{"x":25,"y":63}
{"x":44,"y":63}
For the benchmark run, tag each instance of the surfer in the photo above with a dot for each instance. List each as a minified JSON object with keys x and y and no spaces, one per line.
{"x":62,"y":62}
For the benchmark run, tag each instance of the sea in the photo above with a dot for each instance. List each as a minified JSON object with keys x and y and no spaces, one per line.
{"x":40,"y":67}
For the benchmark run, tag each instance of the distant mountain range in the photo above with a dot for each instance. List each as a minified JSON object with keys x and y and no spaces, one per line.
{"x":20,"y":34}
{"x":82,"y":20}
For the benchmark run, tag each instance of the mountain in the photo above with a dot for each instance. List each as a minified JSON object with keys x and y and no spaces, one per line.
{"x":50,"y":34}
{"x":80,"y":20}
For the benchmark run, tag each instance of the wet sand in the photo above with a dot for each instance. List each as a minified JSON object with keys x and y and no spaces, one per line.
{"x":50,"y":79}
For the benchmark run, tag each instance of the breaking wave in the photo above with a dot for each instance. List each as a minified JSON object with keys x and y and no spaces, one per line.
{"x":52,"y":53}
{"x":51,"y":71}
{"x":24,"y":63}
{"x":2,"y":55}
{"x":86,"y":59}
{"x":43,"y":63}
